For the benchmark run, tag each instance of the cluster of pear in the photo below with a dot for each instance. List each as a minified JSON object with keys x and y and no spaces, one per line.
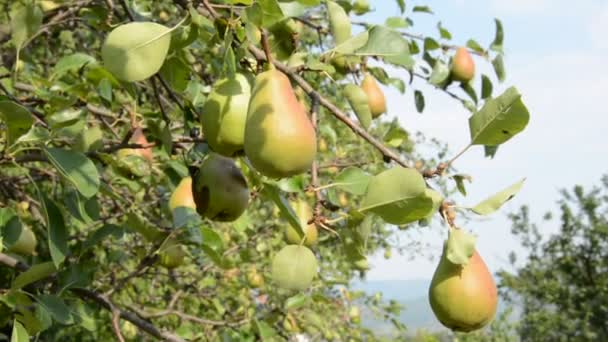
{"x":463,"y":297}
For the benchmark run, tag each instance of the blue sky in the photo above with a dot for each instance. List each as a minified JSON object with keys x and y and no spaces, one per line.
{"x":556,"y":55}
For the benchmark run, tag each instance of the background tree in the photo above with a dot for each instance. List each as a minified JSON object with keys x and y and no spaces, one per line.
{"x":562,"y":286}
{"x":101,"y":109}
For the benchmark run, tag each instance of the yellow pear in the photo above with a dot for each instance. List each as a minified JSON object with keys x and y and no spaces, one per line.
{"x":463,"y":297}
{"x":220,"y":191}
{"x":182,"y":195}
{"x":463,"y":66}
{"x":375,"y":96}
{"x":304,"y":212}
{"x":280,"y":140}
{"x":225,"y":113}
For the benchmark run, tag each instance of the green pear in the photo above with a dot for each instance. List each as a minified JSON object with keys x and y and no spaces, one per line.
{"x":220,"y":191}
{"x":463,"y":297}
{"x":375,"y":96}
{"x":182,"y":195}
{"x":304,"y":213}
{"x":280,"y":140}
{"x":225,"y":113}
{"x":463,"y":66}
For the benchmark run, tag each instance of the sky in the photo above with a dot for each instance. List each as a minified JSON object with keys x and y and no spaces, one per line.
{"x":556,"y":55}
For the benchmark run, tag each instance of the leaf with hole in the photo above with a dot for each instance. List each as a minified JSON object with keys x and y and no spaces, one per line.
{"x":135,"y":51}
{"x":499,"y":119}
{"x":494,"y":202}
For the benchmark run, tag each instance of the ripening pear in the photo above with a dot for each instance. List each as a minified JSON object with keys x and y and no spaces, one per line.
{"x":463,"y":66}
{"x":139,"y":138}
{"x":463,"y":297}
{"x":26,"y":243}
{"x":304,"y":213}
{"x":280,"y":140}
{"x":375,"y":96}
{"x":220,"y":191}
{"x":182,"y":195}
{"x":225,"y":113}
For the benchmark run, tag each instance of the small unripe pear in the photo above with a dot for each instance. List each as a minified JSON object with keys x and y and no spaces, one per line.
{"x":375,"y":96}
{"x":182,"y":195}
{"x":355,"y":314}
{"x":225,"y":113}
{"x":26,"y":243}
{"x":304,"y":212}
{"x":463,"y":66}
{"x":128,"y":330}
{"x":220,"y":191}
{"x":463,"y":297}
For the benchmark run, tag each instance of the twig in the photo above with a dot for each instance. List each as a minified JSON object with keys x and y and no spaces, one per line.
{"x":160,"y":103}
{"x":314,"y":183}
{"x":116,"y":324}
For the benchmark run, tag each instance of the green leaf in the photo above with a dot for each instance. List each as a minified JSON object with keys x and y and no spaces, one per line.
{"x":445,"y":34}
{"x":494,"y":202}
{"x":353,"y":180}
{"x":57,"y":232}
{"x":33,"y":274}
{"x":486,"y":87}
{"x":490,"y":151}
{"x":57,"y":308}
{"x":460,"y":246}
{"x":69,"y":63}
{"x":296,"y":301}
{"x":396,"y":22}
{"x":474,"y":45}
{"x":401,"y":4}
{"x":358,"y":101}
{"x":265,"y":13}
{"x":36,"y":134}
{"x":419,"y":99}
{"x":499,"y":68}
{"x":339,"y":22}
{"x":389,"y":44}
{"x":17,"y":118}
{"x":19,"y":333}
{"x":499,"y":119}
{"x":424,"y":9}
{"x":398,"y":196}
{"x":104,"y":88}
{"x":25,"y":22}
{"x":396,"y":136}
{"x":498,"y":38}
{"x":76,"y":168}
{"x":102,"y":234}
{"x":266,"y":331}
{"x":274,"y":193}
{"x":431,"y":44}
{"x":135,"y":51}
{"x":212,"y":239}
{"x":440,"y":73}
{"x":459,"y":179}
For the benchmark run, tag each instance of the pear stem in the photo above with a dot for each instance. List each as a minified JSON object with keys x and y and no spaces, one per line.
{"x":266,"y":47}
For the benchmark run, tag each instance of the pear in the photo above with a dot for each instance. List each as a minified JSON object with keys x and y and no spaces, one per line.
{"x":225,"y":113}
{"x":463,"y":66}
{"x":182,"y":195}
{"x":463,"y":297}
{"x":139,"y":138}
{"x":280,"y":140}
{"x":220,"y":191}
{"x":304,"y":212}
{"x":26,"y":243}
{"x":375,"y":96}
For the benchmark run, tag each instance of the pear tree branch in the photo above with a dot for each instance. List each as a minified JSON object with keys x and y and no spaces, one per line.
{"x":106,"y":303}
